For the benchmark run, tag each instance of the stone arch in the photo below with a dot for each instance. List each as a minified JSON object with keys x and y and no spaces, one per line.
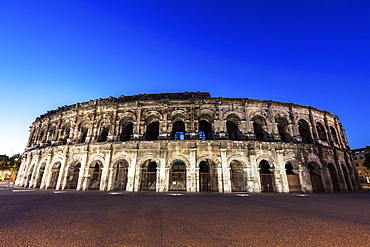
{"x":321,"y":131}
{"x":232,"y":112}
{"x":152,"y":125}
{"x":148,"y":157}
{"x":118,"y":158}
{"x":304,"y":131}
{"x":125,"y":127}
{"x":148,"y":175}
{"x":178,"y":130}
{"x":104,"y":127}
{"x":119,"y":176}
{"x":52,"y":133}
{"x":206,"y":114}
{"x":314,"y":169}
{"x":333,"y":134}
{"x":73,"y":174}
{"x":242,"y":159}
{"x":233,"y":122}
{"x":208,"y":175}
{"x":177,"y":173}
{"x":292,"y":174}
{"x":179,"y":115}
{"x":55,"y":173}
{"x":84,"y":129}
{"x":205,"y":124}
{"x":260,"y":127}
{"x":180,"y":158}
{"x":211,"y":157}
{"x":267,"y":158}
{"x":95,"y":171}
{"x":66,"y":131}
{"x":267,"y":177}
{"x":238,"y":176}
{"x":151,"y":115}
{"x":283,"y":128}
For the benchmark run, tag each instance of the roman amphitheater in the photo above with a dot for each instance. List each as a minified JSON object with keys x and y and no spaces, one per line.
{"x":188,"y":142}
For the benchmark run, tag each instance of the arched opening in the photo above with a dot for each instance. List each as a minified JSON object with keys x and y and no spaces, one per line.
{"x":334,"y":177}
{"x":321,"y":131}
{"x":40,"y":176}
{"x":41,"y":137}
{"x":315,"y":177}
{"x":304,"y":131}
{"x":148,"y":175}
{"x":258,"y":125}
{"x":152,"y":131}
{"x":177,"y":176}
{"x":205,"y":130}
{"x":55,"y":170}
{"x":238,"y":177}
{"x":95,"y":176}
{"x":334,"y":134}
{"x":103,"y":133}
{"x":126,"y":132}
{"x":347,"y":177}
{"x":232,"y":127}
{"x":83,"y":132}
{"x":72,"y":176}
{"x":120,"y":175}
{"x":267,"y":177}
{"x":208,"y":176}
{"x":293,"y":178}
{"x":65,"y":133}
{"x":178,"y":131}
{"x":233,"y":130}
{"x":51,"y":134}
{"x":282,"y":125}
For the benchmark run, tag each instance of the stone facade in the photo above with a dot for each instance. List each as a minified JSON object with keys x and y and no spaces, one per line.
{"x":188,"y":142}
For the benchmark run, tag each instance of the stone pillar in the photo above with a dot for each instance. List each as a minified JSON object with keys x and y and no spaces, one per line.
{"x":83,"y":178}
{"x":32,"y":180}
{"x":220,"y":179}
{"x":134,"y":174}
{"x":225,"y":179}
{"x":280,"y":165}
{"x":110,"y":184}
{"x":47,"y":172}
{"x":194,"y":167}
{"x":249,"y":131}
{"x":162,"y":183}
{"x":255,"y":172}
{"x":105,"y":171}
{"x":326,"y":180}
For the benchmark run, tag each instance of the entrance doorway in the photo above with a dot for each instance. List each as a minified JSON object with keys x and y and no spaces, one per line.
{"x":207,"y":176}
{"x":267,"y":177}
{"x":148,"y":176}
{"x":178,"y":177}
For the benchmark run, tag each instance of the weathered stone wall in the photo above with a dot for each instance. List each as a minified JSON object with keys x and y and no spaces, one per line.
{"x":188,"y":142}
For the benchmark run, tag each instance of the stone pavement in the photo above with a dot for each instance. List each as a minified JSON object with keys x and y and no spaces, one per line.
{"x":33,"y":217}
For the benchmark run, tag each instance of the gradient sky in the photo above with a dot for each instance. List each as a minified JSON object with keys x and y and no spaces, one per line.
{"x":55,"y":53}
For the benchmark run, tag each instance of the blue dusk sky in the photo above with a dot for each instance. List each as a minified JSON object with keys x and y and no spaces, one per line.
{"x":55,"y":53}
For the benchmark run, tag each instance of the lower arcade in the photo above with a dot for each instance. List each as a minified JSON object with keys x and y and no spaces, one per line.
{"x":191,"y":166}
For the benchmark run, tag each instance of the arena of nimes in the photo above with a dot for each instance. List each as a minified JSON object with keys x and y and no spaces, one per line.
{"x":188,"y":142}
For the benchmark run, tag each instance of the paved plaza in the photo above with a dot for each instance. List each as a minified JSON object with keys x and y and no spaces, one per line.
{"x":33,"y":217}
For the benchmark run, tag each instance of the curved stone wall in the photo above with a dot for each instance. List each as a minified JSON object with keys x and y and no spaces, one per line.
{"x":188,"y":142}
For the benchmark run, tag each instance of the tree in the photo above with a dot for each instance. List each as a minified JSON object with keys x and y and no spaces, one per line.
{"x":13,"y":163}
